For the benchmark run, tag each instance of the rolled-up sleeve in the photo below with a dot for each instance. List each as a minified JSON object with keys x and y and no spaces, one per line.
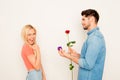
{"x":92,"y":51}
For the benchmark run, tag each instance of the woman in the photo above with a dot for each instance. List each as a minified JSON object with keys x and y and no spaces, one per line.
{"x":31,"y":54}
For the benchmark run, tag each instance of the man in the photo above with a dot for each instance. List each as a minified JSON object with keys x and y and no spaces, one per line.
{"x":92,"y":57}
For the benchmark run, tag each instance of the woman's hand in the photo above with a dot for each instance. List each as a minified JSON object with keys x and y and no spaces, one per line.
{"x":35,"y":47}
{"x":44,"y":78}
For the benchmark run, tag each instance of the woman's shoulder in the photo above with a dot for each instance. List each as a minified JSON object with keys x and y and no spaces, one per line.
{"x":26,"y":47}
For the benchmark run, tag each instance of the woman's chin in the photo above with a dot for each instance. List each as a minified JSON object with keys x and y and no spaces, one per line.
{"x":31,"y":43}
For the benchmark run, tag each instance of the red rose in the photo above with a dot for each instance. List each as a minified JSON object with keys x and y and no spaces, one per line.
{"x":67,"y":31}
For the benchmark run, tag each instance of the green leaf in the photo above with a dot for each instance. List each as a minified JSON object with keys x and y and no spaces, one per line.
{"x":70,"y":44}
{"x":71,"y":66}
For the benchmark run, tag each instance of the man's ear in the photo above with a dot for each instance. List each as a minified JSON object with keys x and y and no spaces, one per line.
{"x":91,"y":18}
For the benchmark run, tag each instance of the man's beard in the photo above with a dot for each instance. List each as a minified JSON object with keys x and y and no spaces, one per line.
{"x":85,"y":28}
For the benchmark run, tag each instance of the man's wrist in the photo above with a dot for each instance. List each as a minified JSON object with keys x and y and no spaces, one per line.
{"x":69,"y":56}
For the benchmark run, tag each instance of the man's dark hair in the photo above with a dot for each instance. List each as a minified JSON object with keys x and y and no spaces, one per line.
{"x":91,"y":12}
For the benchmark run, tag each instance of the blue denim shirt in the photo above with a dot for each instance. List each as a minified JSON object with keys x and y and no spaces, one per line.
{"x":91,"y":62}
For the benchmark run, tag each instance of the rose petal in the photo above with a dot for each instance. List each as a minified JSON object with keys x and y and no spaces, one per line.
{"x":67,"y":31}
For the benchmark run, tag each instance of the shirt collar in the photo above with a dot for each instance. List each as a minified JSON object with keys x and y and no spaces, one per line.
{"x":91,"y":31}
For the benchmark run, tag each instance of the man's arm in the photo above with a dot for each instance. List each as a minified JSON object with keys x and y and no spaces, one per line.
{"x":73,"y":53}
{"x":69,"y":56}
{"x":93,"y":49}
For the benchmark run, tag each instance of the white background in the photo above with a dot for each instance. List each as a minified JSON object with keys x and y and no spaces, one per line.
{"x":51,"y":18}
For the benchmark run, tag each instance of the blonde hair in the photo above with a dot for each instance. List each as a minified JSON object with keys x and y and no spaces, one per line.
{"x":24,"y":31}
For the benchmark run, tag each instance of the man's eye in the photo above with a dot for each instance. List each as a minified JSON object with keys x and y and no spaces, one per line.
{"x":83,"y":19}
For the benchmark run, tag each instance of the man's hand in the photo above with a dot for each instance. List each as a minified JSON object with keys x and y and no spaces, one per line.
{"x":73,"y":52}
{"x":69,"y":56}
{"x":62,"y":52}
